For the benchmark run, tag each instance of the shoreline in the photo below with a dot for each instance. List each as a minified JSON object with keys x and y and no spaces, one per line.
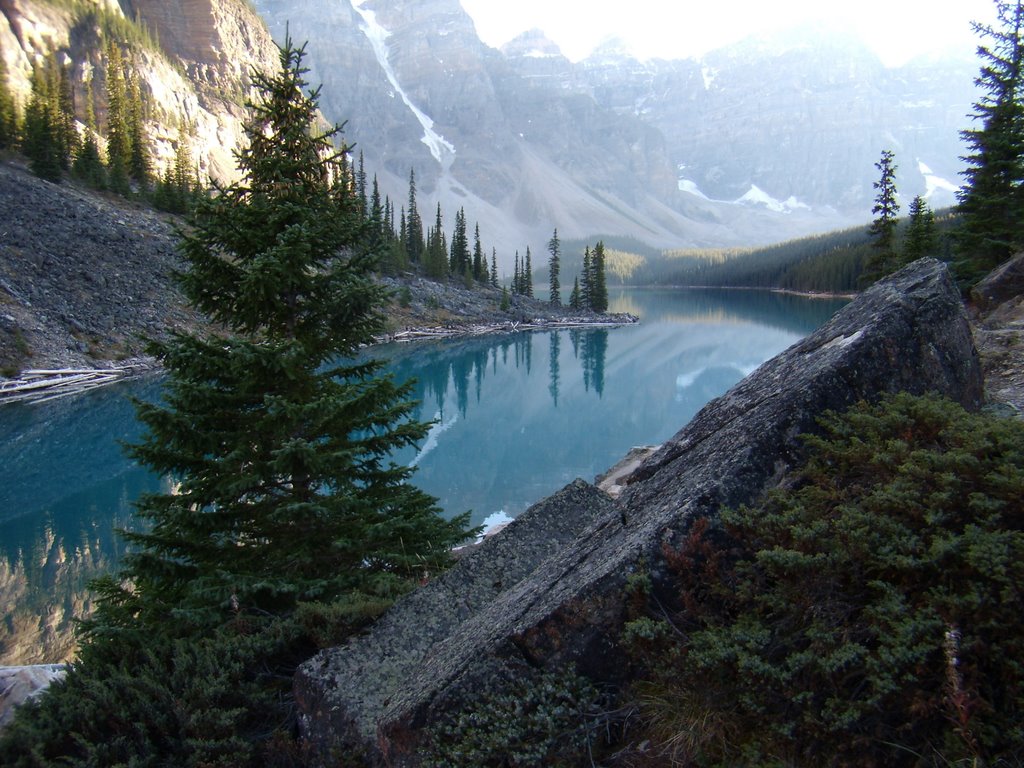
{"x":39,"y":385}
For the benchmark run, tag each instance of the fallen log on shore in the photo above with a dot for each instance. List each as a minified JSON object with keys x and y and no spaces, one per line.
{"x":40,"y":385}
{"x":484,"y":329}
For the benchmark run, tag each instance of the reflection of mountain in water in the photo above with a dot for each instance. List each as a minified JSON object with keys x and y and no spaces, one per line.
{"x":787,"y":312}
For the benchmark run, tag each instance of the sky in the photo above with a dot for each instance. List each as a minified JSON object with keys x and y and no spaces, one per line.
{"x":896,"y":29}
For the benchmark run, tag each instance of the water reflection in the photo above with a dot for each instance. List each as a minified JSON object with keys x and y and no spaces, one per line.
{"x":504,"y":434}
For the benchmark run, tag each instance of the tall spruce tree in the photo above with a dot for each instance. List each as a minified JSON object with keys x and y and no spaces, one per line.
{"x":494,"y":268}
{"x":414,"y":235}
{"x":586,"y":285}
{"x":139,"y":165}
{"x":119,"y":135}
{"x":554,"y":259}
{"x":599,"y":285}
{"x":526,"y":272}
{"x":278,"y":437}
{"x":991,"y":202}
{"x":883,"y":228}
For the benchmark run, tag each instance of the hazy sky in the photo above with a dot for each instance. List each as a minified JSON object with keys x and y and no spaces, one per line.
{"x":896,"y":29}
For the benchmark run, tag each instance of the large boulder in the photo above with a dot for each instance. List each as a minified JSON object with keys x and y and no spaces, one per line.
{"x":378,"y":694}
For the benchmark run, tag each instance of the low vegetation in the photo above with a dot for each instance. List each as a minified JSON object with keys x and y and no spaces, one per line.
{"x":869,"y":613}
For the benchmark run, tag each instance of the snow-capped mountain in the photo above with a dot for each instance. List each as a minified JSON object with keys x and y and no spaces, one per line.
{"x":759,"y":142}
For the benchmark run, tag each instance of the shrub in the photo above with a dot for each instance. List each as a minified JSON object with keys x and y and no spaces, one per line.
{"x":870,"y":613}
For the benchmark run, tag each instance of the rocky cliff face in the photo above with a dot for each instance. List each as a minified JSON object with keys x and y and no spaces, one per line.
{"x":196,"y":73}
{"x":476,"y":630}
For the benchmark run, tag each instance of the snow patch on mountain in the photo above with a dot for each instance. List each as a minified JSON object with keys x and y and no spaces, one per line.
{"x":754,"y":196}
{"x":442,"y":150}
{"x":935,"y":183}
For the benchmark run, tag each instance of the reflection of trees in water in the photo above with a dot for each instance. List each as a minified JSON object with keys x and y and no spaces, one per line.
{"x":591,"y":347}
{"x":43,"y":585}
{"x":555,"y":345}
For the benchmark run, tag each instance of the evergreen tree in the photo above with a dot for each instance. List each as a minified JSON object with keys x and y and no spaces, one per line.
{"x":494,"y":267}
{"x":41,"y":144}
{"x":599,"y":286}
{"x":361,"y":186}
{"x":139,"y":165}
{"x":8,"y":112}
{"x":991,"y":202}
{"x":517,"y":278}
{"x":479,"y":262}
{"x":459,"y":264}
{"x":575,"y":300}
{"x":554,"y":249}
{"x":527,"y":274}
{"x":437,"y":250}
{"x":883,"y":227}
{"x":88,"y":165}
{"x":62,"y":110}
{"x":588,"y":280}
{"x":279,"y":442}
{"x":414,"y":236}
{"x":119,"y":146}
{"x":920,"y":238}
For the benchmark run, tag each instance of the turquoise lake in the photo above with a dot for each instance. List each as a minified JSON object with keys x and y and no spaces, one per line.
{"x":515,"y":417}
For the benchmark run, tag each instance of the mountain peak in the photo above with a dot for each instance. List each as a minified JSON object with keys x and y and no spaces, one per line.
{"x":533,"y":43}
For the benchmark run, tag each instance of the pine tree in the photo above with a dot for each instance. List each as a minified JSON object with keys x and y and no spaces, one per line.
{"x":414,"y":236}
{"x":586,"y":288}
{"x":517,"y":279}
{"x":479,"y":262}
{"x":41,"y":143}
{"x":575,"y":300}
{"x":88,"y":165}
{"x":119,"y":146}
{"x":460,"y":264}
{"x":527,"y":274}
{"x":554,"y":248}
{"x":62,"y":110}
{"x":278,"y":439}
{"x":920,"y":238}
{"x":437,"y":251}
{"x":494,"y":268}
{"x":139,"y":165}
{"x":991,"y":202}
{"x":599,"y":286}
{"x":883,"y":228}
{"x":361,"y":188}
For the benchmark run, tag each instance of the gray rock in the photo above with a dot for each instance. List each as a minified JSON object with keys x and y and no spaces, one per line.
{"x":376,"y":695}
{"x":1002,"y":284}
{"x":21,"y":684}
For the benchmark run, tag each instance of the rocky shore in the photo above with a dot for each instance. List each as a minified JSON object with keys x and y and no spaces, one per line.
{"x":84,"y":278}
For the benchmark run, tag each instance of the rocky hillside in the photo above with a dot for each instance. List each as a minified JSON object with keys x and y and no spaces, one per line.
{"x":193,"y":58}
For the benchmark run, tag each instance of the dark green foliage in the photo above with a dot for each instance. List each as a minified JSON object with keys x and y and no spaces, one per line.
{"x":40,"y":143}
{"x":554,"y":251}
{"x":139,"y":165}
{"x":870,"y":614}
{"x":459,"y":263}
{"x":992,"y":199}
{"x":575,"y":302}
{"x":597,"y":285}
{"x":119,"y":136}
{"x":548,"y":719}
{"x":436,"y":256}
{"x":8,"y":112}
{"x":413,"y":235}
{"x":212,"y":701}
{"x":494,"y":268}
{"x":280,"y":444}
{"x":479,"y":261}
{"x":920,"y":238}
{"x":526,"y":274}
{"x":884,"y":258}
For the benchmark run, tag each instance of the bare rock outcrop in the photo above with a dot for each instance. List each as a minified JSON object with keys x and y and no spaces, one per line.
{"x":376,"y":695}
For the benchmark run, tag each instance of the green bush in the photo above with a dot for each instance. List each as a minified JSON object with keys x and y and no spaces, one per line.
{"x":543,"y":720}
{"x":870,"y":613}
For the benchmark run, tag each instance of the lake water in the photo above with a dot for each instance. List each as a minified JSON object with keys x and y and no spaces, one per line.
{"x":515,"y":418}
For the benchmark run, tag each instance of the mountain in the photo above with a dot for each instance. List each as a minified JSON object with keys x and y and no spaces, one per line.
{"x":193,"y":59}
{"x":759,"y":142}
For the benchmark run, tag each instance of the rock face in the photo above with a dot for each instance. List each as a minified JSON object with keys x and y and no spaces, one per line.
{"x":196,"y":73}
{"x":376,"y":695}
